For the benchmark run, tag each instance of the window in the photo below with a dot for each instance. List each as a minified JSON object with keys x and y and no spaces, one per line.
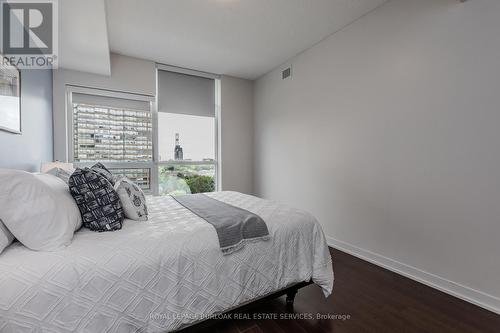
{"x":195,"y":170}
{"x":108,"y":134}
{"x":169,"y":150}
{"x":187,"y":132}
{"x":115,"y":129}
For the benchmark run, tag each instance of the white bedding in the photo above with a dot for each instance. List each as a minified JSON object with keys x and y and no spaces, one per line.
{"x":159,"y":275}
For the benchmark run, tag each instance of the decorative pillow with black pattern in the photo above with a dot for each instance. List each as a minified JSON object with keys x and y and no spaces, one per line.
{"x":103,"y":171}
{"x":98,"y":202}
{"x":132,"y":199}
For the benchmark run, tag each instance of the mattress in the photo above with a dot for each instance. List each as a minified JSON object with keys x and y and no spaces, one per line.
{"x":159,"y":275}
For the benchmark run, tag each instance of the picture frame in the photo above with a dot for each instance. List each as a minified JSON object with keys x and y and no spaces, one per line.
{"x":10,"y":97}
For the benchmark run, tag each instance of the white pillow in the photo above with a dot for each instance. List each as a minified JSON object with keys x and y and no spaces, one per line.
{"x":64,"y":174}
{"x":38,"y":209}
{"x":132,"y":199}
{"x":6,"y":237}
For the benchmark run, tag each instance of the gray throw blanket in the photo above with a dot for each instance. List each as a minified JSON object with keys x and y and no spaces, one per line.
{"x":234,"y":226}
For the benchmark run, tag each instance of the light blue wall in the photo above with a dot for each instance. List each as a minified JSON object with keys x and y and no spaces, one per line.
{"x":35,"y":145}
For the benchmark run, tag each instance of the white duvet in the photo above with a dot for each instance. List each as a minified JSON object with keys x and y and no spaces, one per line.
{"x":159,"y":275}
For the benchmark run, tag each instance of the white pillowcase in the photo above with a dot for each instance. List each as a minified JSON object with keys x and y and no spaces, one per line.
{"x":132,"y":199}
{"x":6,"y":237}
{"x":38,"y":209}
{"x":64,"y":174}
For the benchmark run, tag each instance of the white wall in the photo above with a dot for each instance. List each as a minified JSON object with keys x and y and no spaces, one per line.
{"x":237,"y":134}
{"x":389,"y":133}
{"x":28,"y":150}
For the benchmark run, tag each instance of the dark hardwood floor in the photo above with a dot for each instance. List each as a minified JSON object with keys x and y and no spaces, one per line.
{"x":366,"y":298}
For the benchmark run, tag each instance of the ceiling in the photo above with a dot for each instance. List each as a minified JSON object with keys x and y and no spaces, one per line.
{"x":242,"y":38}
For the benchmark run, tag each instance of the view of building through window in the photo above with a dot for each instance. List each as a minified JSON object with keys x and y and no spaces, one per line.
{"x":110,"y":134}
{"x":195,"y":134}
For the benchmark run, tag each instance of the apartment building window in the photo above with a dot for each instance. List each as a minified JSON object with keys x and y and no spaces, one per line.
{"x":113,"y":128}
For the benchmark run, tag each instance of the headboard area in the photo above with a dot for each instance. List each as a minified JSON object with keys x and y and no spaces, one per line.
{"x":26,"y":151}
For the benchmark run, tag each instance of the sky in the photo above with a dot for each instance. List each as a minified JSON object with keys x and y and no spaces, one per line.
{"x":197,"y":136}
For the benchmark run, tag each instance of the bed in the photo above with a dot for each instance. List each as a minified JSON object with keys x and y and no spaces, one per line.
{"x":161,"y":275}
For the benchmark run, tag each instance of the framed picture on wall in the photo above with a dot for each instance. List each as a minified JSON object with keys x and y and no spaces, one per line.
{"x":10,"y":97}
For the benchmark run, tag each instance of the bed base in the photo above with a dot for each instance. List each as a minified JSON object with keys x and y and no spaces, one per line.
{"x":290,"y":296}
{"x":290,"y":293}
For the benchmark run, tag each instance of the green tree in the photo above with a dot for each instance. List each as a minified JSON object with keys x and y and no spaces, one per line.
{"x":200,"y":184}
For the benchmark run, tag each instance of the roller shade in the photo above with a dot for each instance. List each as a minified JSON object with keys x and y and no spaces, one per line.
{"x":186,"y":94}
{"x":111,"y":102}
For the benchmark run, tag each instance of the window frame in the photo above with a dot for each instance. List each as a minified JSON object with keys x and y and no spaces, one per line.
{"x":155,"y":162}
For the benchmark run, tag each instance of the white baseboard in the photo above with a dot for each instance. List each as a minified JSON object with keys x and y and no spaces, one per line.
{"x":470,"y":295}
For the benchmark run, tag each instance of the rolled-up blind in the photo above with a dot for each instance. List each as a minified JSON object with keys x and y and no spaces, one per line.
{"x":111,"y":102}
{"x":186,"y":94}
